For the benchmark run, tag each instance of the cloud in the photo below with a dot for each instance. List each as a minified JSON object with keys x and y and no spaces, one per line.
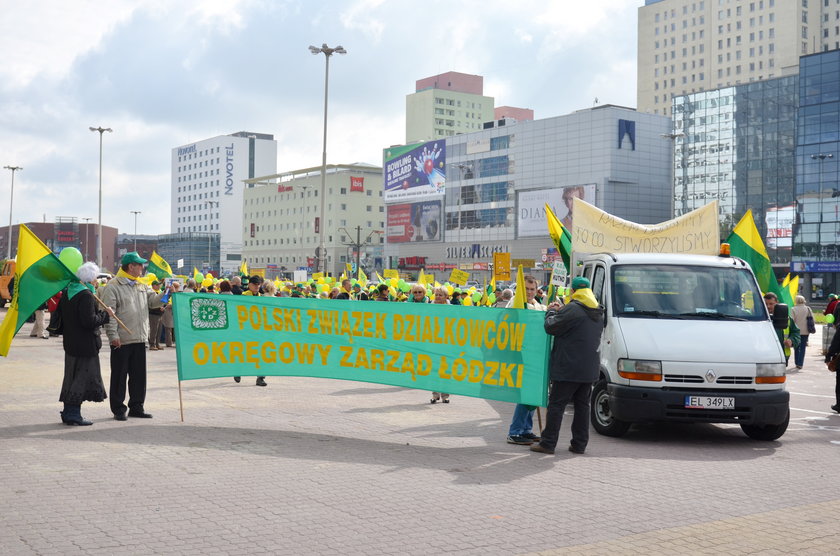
{"x":164,"y":74}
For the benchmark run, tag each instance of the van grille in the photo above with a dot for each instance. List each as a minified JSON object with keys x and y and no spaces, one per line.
{"x":694,"y":379}
{"x":735,"y":380}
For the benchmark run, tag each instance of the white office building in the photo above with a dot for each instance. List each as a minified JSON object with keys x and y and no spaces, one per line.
{"x":207,"y":186}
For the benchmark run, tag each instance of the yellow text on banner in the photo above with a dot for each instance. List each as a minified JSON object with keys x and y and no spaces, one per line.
{"x":597,"y":231}
{"x":391,"y":273}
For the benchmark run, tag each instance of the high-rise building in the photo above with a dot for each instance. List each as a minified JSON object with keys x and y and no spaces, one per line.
{"x":279,"y":234}
{"x":689,"y":46}
{"x":772,"y":147}
{"x":445,"y":105}
{"x":737,"y":145}
{"x":207,"y":185}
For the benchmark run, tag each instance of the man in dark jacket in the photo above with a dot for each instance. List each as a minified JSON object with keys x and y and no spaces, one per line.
{"x":575,"y":363}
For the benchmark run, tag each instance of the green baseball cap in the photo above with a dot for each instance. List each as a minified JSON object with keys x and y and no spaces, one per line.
{"x":132,"y":258}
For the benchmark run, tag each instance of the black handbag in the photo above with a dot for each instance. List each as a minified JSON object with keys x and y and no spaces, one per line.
{"x":56,"y":325}
{"x":812,"y":326}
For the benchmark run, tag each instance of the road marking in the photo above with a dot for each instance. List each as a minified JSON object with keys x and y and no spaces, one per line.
{"x":812,"y":395}
{"x":811,"y":411}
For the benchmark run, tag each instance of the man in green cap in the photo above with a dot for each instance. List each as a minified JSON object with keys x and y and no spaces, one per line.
{"x":573,"y":366}
{"x":129,"y":298}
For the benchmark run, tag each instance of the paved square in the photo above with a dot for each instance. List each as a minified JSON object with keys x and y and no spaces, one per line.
{"x":310,"y":466}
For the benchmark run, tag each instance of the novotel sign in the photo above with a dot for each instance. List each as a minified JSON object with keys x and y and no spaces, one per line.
{"x":186,"y":150}
{"x":229,"y":170}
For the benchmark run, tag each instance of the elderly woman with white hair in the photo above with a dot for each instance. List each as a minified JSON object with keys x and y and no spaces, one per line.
{"x":81,"y":319}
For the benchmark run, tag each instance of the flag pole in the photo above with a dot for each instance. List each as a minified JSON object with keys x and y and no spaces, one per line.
{"x":181,"y":401}
{"x":116,"y":318}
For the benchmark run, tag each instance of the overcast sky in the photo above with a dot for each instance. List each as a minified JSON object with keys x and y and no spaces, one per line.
{"x":163,"y":74}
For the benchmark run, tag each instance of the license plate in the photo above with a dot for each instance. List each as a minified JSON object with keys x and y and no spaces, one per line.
{"x":709,"y":402}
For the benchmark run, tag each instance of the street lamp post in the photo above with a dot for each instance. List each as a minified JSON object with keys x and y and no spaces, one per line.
{"x":11,"y":201}
{"x":359,"y":243}
{"x":821,"y":157}
{"x":673,"y":137}
{"x":211,"y":204}
{"x":87,"y":220}
{"x":101,"y":130}
{"x":135,"y":213}
{"x":327,"y":51}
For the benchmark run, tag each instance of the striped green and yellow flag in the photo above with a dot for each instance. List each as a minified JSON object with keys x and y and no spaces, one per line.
{"x":519,"y":298}
{"x":39,"y":275}
{"x":159,"y":267}
{"x":745,"y":242}
{"x":560,"y":236}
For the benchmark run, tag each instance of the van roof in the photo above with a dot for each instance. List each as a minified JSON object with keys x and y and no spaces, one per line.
{"x":664,"y":258}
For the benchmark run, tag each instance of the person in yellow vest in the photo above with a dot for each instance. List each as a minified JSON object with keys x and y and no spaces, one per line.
{"x":254,"y":283}
{"x":789,"y":337}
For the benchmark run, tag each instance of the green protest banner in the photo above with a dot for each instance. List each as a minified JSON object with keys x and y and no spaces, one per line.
{"x":498,"y":354}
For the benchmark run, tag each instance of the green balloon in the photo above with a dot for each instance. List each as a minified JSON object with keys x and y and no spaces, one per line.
{"x":476,"y":297}
{"x":404,"y":286}
{"x":829,"y":319}
{"x":72,"y":258}
{"x":199,"y":278}
{"x":491,"y":298}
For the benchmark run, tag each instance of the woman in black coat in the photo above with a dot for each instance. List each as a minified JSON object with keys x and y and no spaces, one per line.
{"x":81,"y":319}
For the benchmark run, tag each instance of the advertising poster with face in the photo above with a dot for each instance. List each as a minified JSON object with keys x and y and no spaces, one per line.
{"x":531,"y":206}
{"x":414,"y":222}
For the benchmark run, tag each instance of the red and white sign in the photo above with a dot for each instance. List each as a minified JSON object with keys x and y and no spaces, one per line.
{"x":357,"y":184}
{"x":282,"y":188}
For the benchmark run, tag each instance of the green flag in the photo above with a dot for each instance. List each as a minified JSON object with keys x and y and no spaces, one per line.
{"x":560,"y":236}
{"x":745,"y":242}
{"x":39,"y":275}
{"x":158,"y":266}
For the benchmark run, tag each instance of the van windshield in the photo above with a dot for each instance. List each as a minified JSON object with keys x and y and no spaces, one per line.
{"x":686,"y":292}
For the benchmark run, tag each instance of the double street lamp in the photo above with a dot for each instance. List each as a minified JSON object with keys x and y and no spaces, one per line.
{"x":11,"y":200}
{"x":101,"y":130}
{"x":135,"y":213}
{"x":327,"y":52}
{"x":87,"y":220}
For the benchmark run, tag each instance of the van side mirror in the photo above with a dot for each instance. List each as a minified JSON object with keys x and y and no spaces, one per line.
{"x":780,"y":317}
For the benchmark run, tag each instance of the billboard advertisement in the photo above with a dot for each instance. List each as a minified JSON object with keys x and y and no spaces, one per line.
{"x":414,"y":171}
{"x":531,"y":206}
{"x":414,"y":222}
{"x":780,"y":226}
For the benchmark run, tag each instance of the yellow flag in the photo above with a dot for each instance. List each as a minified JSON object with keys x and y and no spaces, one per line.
{"x":243,"y":269}
{"x":793,"y":287}
{"x":422,"y":278}
{"x":362,"y":278}
{"x":519,"y":298}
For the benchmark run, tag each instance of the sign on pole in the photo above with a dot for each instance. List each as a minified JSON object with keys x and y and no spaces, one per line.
{"x":459,"y":277}
{"x":501,"y":266}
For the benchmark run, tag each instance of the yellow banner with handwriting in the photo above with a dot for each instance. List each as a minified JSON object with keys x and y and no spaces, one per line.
{"x":596,"y":231}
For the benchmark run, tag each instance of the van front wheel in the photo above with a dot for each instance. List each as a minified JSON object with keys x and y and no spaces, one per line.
{"x":766,"y":432}
{"x":601,"y":416}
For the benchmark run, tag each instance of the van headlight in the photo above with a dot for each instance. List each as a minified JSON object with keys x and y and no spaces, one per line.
{"x":769,"y":373}
{"x":640,"y":369}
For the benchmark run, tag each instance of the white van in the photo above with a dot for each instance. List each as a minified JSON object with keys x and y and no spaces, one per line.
{"x":687,"y":338}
